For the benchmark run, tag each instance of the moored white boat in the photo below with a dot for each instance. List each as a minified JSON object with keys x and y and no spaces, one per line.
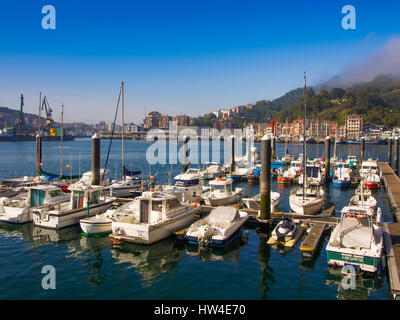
{"x":186,"y":186}
{"x":254,"y":201}
{"x":154,"y":216}
{"x":356,"y":241}
{"x":85,"y":201}
{"x":221,"y":193}
{"x":18,"y":209}
{"x":284,"y":230}
{"x":309,"y":204}
{"x":219,"y":228}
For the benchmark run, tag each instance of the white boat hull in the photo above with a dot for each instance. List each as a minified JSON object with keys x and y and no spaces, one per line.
{"x":150,"y":233}
{"x":58,"y":220}
{"x":15,"y":215}
{"x":215,"y":202}
{"x":96,"y":226}
{"x":305,"y":207}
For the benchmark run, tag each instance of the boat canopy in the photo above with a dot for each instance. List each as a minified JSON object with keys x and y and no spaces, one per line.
{"x":223,"y":214}
{"x":57,"y":175}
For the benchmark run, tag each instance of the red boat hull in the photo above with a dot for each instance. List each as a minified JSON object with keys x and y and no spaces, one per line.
{"x":284,"y":180}
{"x":371,"y":185}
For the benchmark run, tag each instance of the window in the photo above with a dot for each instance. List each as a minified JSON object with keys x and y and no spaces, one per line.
{"x":56,"y":193}
{"x":156,"y":205}
{"x":173,"y":204}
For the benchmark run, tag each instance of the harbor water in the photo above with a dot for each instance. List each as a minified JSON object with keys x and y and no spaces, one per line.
{"x":94,"y":268}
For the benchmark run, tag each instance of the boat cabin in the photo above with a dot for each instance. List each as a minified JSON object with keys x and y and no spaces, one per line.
{"x":81,"y":197}
{"x":45,"y":194}
{"x":152,"y":207}
{"x":369,"y":165}
{"x":221,"y":185}
{"x":87,"y":177}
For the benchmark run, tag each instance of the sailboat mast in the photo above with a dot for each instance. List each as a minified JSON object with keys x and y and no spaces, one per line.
{"x":62,"y":136}
{"x":123,"y":131}
{"x":304,"y":139}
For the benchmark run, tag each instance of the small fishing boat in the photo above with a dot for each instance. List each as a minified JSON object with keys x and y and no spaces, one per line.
{"x":100,"y":224}
{"x":152,"y":217}
{"x":85,"y":201}
{"x":364,"y":199}
{"x":356,"y":241}
{"x":286,"y":177}
{"x":221,"y":193}
{"x":220,"y":227}
{"x":308,"y":201}
{"x":314,"y":174}
{"x":18,"y":208}
{"x":254,"y":201}
{"x":211,"y":170}
{"x":130,"y":187}
{"x":371,"y":180}
{"x":186,"y":186}
{"x":342,"y":176}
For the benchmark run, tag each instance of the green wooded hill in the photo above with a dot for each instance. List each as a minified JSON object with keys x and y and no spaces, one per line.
{"x":378,"y":101}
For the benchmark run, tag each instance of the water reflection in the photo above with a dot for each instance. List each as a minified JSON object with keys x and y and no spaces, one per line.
{"x":227,"y":253}
{"x":21,"y":231}
{"x":266,"y":277}
{"x":364,"y":285}
{"x":148,"y":261}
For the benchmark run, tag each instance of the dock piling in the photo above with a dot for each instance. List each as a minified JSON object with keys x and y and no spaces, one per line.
{"x":95,"y":160}
{"x":265,"y":178}
{"x":185,"y":153}
{"x":273,"y":144}
{"x":389,"y":157}
{"x":328,"y":158}
{"x":232,"y":154}
{"x":38,"y":154}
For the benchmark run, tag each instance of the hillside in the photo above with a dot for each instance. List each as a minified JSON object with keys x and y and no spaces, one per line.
{"x":378,"y":101}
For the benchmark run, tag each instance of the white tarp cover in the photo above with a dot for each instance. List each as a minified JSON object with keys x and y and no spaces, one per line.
{"x":356,"y":233}
{"x":223,"y":214}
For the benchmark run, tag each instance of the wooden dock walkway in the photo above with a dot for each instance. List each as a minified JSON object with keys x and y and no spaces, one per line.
{"x":392,"y":231}
{"x":392,"y":248}
{"x":392,"y":185}
{"x":310,"y":243}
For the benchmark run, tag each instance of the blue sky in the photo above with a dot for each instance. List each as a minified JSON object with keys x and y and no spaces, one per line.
{"x":179,"y":56}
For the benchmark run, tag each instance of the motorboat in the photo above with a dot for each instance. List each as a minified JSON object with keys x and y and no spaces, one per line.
{"x":286,"y":177}
{"x":370,"y":180}
{"x":18,"y":208}
{"x":186,"y":187}
{"x":314,"y":174}
{"x":221,"y":193}
{"x":254,"y":201}
{"x":153,"y":216}
{"x":356,"y":240}
{"x":352,"y":161}
{"x":85,"y":201}
{"x":342,"y":176}
{"x":364,"y":199}
{"x":307,"y":201}
{"x":211,"y":170}
{"x":100,"y":224}
{"x":131,"y":187}
{"x":284,"y":230}
{"x":220,"y":227}
{"x":369,"y":166}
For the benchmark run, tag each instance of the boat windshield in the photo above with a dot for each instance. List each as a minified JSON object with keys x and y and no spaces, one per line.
{"x":56,"y":193}
{"x":185,"y":183}
{"x":312,"y":172}
{"x":221,"y":188}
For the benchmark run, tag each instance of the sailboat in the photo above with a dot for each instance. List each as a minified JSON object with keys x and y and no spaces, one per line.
{"x":306,"y":199}
{"x":131,"y":184}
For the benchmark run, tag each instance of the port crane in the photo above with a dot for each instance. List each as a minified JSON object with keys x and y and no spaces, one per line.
{"x":49,"y":111}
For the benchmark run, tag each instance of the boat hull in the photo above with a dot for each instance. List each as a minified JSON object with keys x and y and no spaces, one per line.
{"x":219,"y":242}
{"x":91,"y":227}
{"x":341,"y":184}
{"x":371,"y":185}
{"x":15,"y":215}
{"x":54,"y":220}
{"x":148,"y":234}
{"x":307,"y":208}
{"x":284,"y":180}
{"x":233,"y":199}
{"x":365,"y":263}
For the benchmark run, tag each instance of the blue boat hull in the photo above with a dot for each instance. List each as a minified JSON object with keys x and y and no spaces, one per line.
{"x":341,"y":183}
{"x":218,"y":243}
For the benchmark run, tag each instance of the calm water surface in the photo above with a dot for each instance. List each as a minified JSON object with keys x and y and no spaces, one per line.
{"x":92,"y":268}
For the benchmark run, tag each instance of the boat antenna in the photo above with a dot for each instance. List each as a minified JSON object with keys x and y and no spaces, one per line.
{"x":304,"y":139}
